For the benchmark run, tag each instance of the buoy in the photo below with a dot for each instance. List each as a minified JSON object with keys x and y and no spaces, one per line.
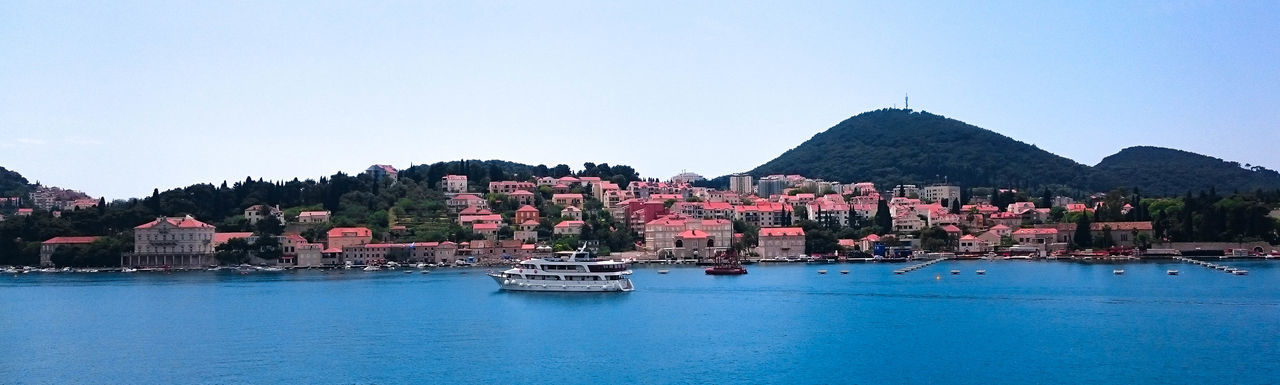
{"x":938,"y":277}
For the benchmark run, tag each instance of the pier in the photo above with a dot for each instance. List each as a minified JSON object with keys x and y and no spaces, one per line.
{"x":918,"y":266}
{"x":1211,"y":265}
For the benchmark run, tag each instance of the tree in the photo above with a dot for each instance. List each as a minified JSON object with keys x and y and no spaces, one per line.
{"x":1084,"y":236}
{"x":1105,"y":241}
{"x":268,"y":248}
{"x":233,"y":252}
{"x":269,"y":226}
{"x":883,"y":220}
{"x":1046,"y":199}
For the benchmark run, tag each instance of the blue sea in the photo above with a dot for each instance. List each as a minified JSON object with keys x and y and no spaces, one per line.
{"x":1022,"y":322}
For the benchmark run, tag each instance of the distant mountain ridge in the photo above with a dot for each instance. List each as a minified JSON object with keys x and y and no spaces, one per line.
{"x":892,"y":146}
{"x":1166,"y":171}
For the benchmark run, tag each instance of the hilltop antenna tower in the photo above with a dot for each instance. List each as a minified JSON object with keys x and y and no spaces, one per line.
{"x":906,"y":102}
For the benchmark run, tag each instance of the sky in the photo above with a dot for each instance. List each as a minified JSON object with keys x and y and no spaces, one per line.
{"x":117,"y":98}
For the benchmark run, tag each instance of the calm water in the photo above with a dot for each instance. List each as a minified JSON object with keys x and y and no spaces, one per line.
{"x":1023,"y":322}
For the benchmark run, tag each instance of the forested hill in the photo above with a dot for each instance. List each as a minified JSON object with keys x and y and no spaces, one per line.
{"x":892,"y":146}
{"x":1166,"y":171}
{"x":12,"y":183}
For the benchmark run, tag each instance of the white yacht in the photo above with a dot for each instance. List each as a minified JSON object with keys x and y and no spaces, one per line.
{"x":574,"y":271}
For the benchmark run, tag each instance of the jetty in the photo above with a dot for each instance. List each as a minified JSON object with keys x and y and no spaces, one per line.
{"x":918,"y":266}
{"x":1215,"y":266}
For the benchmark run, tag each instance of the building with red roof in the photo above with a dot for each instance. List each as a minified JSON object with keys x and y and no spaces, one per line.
{"x":569,"y":228}
{"x":341,"y":237}
{"x":53,"y":244}
{"x":566,"y":200}
{"x":661,"y":234}
{"x":455,"y":184}
{"x":526,"y":213}
{"x":379,"y":171}
{"x":781,"y":242}
{"x":181,"y":242}
{"x":509,"y":186}
{"x":522,"y":197}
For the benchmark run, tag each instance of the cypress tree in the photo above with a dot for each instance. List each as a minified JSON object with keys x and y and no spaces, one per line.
{"x":1083,"y":237}
{"x":883,"y":220}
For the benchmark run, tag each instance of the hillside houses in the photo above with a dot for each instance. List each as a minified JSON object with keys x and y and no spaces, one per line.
{"x":491,"y":221}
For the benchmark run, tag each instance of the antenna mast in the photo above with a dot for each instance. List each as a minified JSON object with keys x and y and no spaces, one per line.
{"x":906,"y":102}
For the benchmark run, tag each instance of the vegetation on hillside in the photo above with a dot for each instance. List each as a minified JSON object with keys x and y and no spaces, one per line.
{"x":1169,"y":172}
{"x":414,"y":201}
{"x":893,"y":146}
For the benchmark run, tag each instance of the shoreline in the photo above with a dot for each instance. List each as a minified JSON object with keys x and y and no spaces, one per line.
{"x":645,"y":264}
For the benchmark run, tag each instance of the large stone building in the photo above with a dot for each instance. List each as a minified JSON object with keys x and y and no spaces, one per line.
{"x":937,"y":193}
{"x":181,"y":242}
{"x":256,"y":213}
{"x":342,"y":237}
{"x":661,"y":235}
{"x":781,"y":242}
{"x":48,"y":247}
{"x":454,"y":183}
{"x":771,"y":185}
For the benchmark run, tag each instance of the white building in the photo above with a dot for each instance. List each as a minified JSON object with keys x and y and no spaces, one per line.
{"x":741,"y":184}
{"x":937,"y":193}
{"x":173,"y":242}
{"x":454,"y":183}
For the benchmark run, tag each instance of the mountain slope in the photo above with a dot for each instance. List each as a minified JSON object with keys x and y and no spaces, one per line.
{"x":12,"y":183}
{"x":1166,"y":171}
{"x":892,"y":146}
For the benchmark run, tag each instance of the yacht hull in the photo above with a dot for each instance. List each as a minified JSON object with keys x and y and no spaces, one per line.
{"x":517,"y":284}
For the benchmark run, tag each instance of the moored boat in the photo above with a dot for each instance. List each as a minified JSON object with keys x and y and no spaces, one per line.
{"x":726,"y":264}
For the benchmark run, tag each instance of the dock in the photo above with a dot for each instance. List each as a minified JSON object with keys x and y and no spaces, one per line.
{"x":1215,"y":266}
{"x":918,"y":266}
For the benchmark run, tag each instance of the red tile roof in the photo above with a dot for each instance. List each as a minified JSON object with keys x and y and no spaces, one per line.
{"x":338,"y":232}
{"x":781,"y":231}
{"x":1118,"y":226}
{"x":526,"y":208}
{"x":69,"y":240}
{"x":568,"y":224}
{"x":186,"y":222}
{"x":693,"y":234}
{"x":220,"y":238}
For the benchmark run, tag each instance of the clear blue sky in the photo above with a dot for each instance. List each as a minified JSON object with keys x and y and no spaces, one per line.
{"x":117,"y":98}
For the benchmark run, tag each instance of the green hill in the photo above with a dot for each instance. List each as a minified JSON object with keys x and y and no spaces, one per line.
{"x":1166,"y":171}
{"x":892,"y":146}
{"x":12,"y":183}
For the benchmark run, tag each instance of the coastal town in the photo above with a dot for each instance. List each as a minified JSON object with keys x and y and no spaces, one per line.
{"x":775,"y":218}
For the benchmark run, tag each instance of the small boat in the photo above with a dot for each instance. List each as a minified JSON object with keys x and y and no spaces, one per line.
{"x":371,"y":268}
{"x":271,"y":268}
{"x":1240,"y":272}
{"x":1117,"y":271}
{"x":408,"y":271}
{"x":955,"y":272}
{"x":1171,"y":272}
{"x":981,"y":272}
{"x":844,"y":272}
{"x":424,"y":271}
{"x":822,"y":271}
{"x":663,"y":271}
